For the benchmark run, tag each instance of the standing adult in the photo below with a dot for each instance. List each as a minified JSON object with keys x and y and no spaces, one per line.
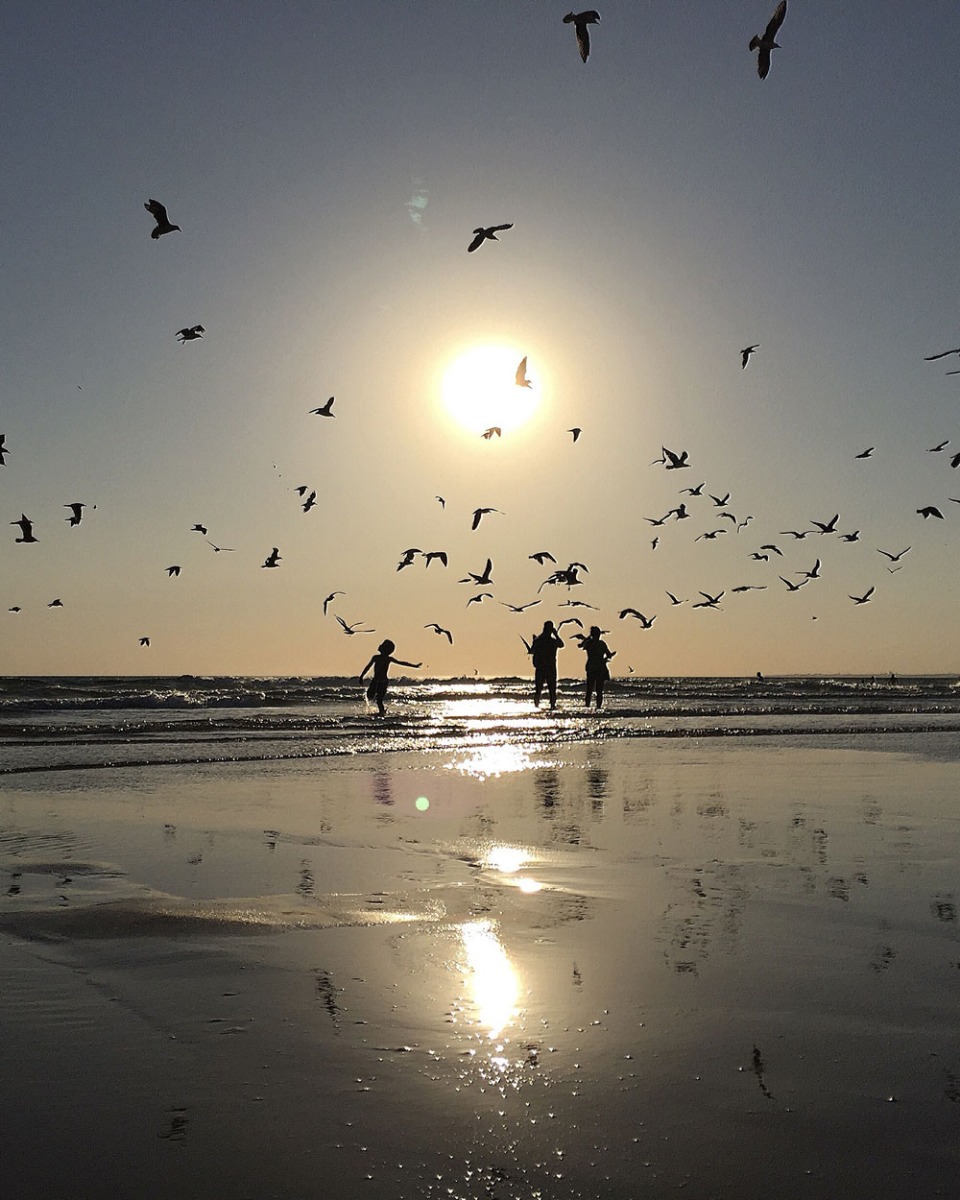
{"x":543,"y":651}
{"x":598,"y":655}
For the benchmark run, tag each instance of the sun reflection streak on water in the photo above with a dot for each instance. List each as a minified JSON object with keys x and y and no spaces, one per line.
{"x":492,"y":978}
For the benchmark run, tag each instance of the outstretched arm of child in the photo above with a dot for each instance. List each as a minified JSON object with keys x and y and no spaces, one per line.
{"x":398,"y":662}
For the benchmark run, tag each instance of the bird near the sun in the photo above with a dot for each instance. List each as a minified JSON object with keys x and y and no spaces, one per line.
{"x":488,"y":433}
{"x":746,"y":352}
{"x":576,"y":431}
{"x":438,"y":629}
{"x":328,"y":600}
{"x":521,"y":379}
{"x":480,"y":513}
{"x":324,"y":410}
{"x":76,"y":512}
{"x":272,"y":559}
{"x":766,"y":42}
{"x":26,"y":529}
{"x":580,"y":22}
{"x":485,"y":233}
{"x":159,"y":214}
{"x":190,"y":333}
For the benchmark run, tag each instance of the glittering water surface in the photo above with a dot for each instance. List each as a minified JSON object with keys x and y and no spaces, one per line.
{"x":613,"y":967}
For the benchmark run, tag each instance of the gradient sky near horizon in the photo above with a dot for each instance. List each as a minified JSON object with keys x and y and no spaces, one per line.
{"x":327,"y":164}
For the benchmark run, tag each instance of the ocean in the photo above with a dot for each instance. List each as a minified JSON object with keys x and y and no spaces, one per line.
{"x":63,"y":723}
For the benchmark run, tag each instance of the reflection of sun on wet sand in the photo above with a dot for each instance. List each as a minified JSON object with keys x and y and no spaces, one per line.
{"x":464,"y":972}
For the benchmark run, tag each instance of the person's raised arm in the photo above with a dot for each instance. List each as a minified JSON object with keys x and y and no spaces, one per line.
{"x":398,"y":662}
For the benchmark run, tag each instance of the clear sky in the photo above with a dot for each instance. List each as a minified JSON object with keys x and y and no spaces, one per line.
{"x":328,"y":164}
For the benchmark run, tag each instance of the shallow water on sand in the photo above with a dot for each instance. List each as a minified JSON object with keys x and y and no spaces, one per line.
{"x":610,"y":970}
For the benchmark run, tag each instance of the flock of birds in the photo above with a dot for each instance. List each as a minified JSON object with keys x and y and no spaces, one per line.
{"x":711,"y":513}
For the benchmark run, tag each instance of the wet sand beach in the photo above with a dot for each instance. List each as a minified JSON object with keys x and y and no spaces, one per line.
{"x":724,"y":968}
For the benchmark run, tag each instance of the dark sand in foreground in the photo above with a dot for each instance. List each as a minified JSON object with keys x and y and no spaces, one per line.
{"x":727,"y":969}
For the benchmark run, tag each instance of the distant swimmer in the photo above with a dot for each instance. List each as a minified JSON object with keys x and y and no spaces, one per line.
{"x":581,"y":22}
{"x":597,"y":671}
{"x":190,"y":334}
{"x":324,"y":410}
{"x":380,"y":663}
{"x":484,"y":233}
{"x":766,"y":42}
{"x":159,"y":214}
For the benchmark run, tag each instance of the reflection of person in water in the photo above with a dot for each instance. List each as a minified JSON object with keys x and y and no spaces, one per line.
{"x":381,"y":665}
{"x":543,"y":651}
{"x":598,"y":655}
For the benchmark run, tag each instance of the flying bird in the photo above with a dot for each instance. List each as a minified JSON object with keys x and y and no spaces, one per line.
{"x":850,"y":537}
{"x":576,"y":431}
{"x":580,"y":21}
{"x":488,"y":433}
{"x":829,"y":526}
{"x":794,"y":587}
{"x":220,"y":549}
{"x":766,"y":42}
{"x":936,"y":449}
{"x":928,"y":510}
{"x":190,"y":333}
{"x":76,"y":512}
{"x":813,"y":573}
{"x":159,"y":214}
{"x":521,"y":376}
{"x":144,"y":641}
{"x":864,"y":598}
{"x":479,"y":513}
{"x":942,"y":354}
{"x":309,"y":502}
{"x":745,"y":354}
{"x":58,"y":603}
{"x":324,"y":410}
{"x":893,"y":557}
{"x":486,"y":233}
{"x":430,"y":555}
{"x":711,"y":535}
{"x":199,"y":529}
{"x":720,"y":501}
{"x":569,"y":621}
{"x":674,"y":462}
{"x":408,"y":557}
{"x":480,"y":580}
{"x":694,"y":491}
{"x":674,"y":600}
{"x":645,"y":622}
{"x":440,"y":500}
{"x":26,"y":529}
{"x":868,"y":453}
{"x":328,"y":600}
{"x":709,"y":601}
{"x":519,"y":608}
{"x":481,"y":596}
{"x":272,"y":559}
{"x":3,"y":450}
{"x":350,"y":630}
{"x":542,"y":556}
{"x":174,"y":570}
{"x":438,"y":629}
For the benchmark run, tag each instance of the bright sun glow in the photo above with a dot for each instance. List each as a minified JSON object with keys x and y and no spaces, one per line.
{"x":480,"y":390}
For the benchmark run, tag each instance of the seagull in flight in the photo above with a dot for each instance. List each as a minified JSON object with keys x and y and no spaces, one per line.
{"x":868,"y":453}
{"x":272,"y":559}
{"x":542,"y":556}
{"x":440,"y":500}
{"x":694,"y":491}
{"x":865,"y":597}
{"x":766,"y":42}
{"x":488,"y":433}
{"x":190,"y":334}
{"x":159,"y":214}
{"x":408,"y":557}
{"x":486,"y":233}
{"x":893,"y":557}
{"x":521,"y":376}
{"x":172,"y":571}
{"x":220,"y":549}
{"x":674,"y":600}
{"x":936,"y":449}
{"x":350,"y":630}
{"x":580,"y":21}
{"x":479,"y":513}
{"x":942,"y":354}
{"x":519,"y":608}
{"x":144,"y":641}
{"x":324,"y":410}
{"x":745,"y":354}
{"x":576,"y":431}
{"x":709,"y":601}
{"x":480,"y":580}
{"x":481,"y":596}
{"x":26,"y":529}
{"x":76,"y":512}
{"x":674,"y":462}
{"x":928,"y":510}
{"x":58,"y":603}
{"x":438,"y":629}
{"x":328,"y":600}
{"x":794,"y":587}
{"x":828,"y":527}
{"x":435,"y":554}
{"x":3,"y":450}
{"x":813,"y":573}
{"x":645,"y":622}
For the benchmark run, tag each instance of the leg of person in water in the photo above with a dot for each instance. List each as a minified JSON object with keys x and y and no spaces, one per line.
{"x":537,"y":686}
{"x":599,"y":686}
{"x":552,"y":688}
{"x":589,"y":697}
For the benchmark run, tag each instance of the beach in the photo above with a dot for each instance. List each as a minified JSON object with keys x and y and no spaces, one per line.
{"x":627,"y":967}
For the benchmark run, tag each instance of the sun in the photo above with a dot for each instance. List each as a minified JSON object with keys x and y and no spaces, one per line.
{"x":480,"y":391}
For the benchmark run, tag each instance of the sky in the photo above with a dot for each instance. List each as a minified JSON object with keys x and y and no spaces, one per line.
{"x":327,"y":164}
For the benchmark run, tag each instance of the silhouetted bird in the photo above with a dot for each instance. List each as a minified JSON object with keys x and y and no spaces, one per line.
{"x":159,"y":214}
{"x":479,"y":598}
{"x":893,"y":557}
{"x":220,"y":549}
{"x":864,"y":598}
{"x":58,"y":603}
{"x":828,"y":526}
{"x":576,"y":431}
{"x":480,"y":513}
{"x":199,"y":529}
{"x":310,"y":502}
{"x":272,"y":559}
{"x":745,"y":354}
{"x":190,"y":334}
{"x":709,"y":601}
{"x":674,"y":462}
{"x":350,"y":630}
{"x":3,"y":450}
{"x":521,"y":379}
{"x":430,"y":555}
{"x":324,"y":410}
{"x":645,"y":622}
{"x":26,"y":529}
{"x":76,"y":512}
{"x":144,"y":641}
{"x":580,"y":21}
{"x":480,"y":580}
{"x":519,"y":608}
{"x":486,"y":233}
{"x":868,"y":453}
{"x":935,"y":449}
{"x":942,"y":354}
{"x":174,"y":570}
{"x":440,"y":500}
{"x":929,"y":510}
{"x":407,"y":557}
{"x":438,"y":629}
{"x":329,"y":599}
{"x":766,"y":42}
{"x":542,"y":556}
{"x":488,"y":433}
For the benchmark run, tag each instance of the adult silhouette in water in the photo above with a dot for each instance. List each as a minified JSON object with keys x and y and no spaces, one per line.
{"x":598,"y":655}
{"x":381,"y":665}
{"x":543,"y":651}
